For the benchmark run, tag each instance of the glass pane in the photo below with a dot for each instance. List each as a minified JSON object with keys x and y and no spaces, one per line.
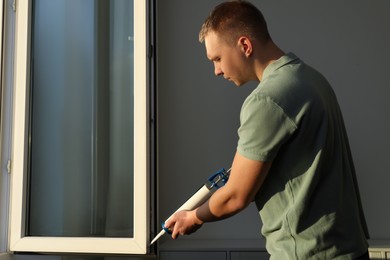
{"x":81,"y":119}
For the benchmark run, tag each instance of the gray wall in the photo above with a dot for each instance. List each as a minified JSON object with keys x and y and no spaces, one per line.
{"x":348,"y":41}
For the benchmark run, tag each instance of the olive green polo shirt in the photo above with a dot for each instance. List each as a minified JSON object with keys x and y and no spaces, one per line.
{"x":309,"y":203}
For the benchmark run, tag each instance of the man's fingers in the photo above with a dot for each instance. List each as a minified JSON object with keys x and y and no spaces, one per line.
{"x":174,"y":235}
{"x":168,"y":223}
{"x":167,"y":229}
{"x":181,"y":223}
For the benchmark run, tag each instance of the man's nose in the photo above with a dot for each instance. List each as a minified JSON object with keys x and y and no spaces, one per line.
{"x":218,"y":71}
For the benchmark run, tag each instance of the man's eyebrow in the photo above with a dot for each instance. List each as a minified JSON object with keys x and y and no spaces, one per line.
{"x":212,"y":58}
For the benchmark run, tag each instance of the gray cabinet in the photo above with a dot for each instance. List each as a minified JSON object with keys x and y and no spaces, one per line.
{"x":188,"y":249}
{"x":255,"y":255}
{"x":214,"y":255}
{"x":191,"y":255}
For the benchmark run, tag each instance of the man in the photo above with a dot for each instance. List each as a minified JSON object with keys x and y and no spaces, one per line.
{"x":293,"y":158}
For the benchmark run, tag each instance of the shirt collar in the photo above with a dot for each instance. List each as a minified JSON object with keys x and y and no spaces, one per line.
{"x":284,"y":60}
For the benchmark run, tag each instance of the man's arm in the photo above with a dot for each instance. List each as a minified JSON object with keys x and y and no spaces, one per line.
{"x":245,"y":180}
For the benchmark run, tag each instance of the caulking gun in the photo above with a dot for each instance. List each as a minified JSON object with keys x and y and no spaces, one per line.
{"x":213,"y":183}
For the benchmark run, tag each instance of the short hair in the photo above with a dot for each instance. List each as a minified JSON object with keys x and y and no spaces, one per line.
{"x":234,"y":19}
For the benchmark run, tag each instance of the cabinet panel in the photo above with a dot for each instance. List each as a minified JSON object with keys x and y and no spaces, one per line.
{"x":192,"y":255}
{"x":375,"y":255}
{"x":256,"y":255}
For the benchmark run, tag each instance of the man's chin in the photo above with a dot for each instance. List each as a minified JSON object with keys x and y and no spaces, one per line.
{"x":238,"y":84}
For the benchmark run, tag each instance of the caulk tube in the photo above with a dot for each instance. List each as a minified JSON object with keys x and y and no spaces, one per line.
{"x":215,"y":181}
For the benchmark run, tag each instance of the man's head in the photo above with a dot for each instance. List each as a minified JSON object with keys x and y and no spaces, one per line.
{"x":237,"y":41}
{"x":231,"y":20}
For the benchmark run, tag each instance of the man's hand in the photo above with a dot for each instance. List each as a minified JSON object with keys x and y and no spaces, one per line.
{"x":183,"y":223}
{"x":245,"y":180}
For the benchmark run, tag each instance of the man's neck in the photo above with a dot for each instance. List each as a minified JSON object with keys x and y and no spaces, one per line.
{"x":269,"y":53}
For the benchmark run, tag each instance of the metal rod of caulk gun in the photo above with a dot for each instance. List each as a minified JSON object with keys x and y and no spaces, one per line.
{"x":201,"y":196}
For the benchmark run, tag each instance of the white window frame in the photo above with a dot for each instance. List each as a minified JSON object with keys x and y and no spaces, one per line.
{"x":1,"y":35}
{"x":3,"y":195}
{"x":18,"y":241}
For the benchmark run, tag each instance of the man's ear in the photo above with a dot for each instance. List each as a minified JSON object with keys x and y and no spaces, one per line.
{"x":245,"y":45}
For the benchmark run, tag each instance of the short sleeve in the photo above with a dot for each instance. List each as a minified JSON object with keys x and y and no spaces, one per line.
{"x":264,"y":128}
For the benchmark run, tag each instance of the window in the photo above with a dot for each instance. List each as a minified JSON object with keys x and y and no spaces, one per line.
{"x":7,"y":43}
{"x":80,"y":133}
{"x":3,"y":180}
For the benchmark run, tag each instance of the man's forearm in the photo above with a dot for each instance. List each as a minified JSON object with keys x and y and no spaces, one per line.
{"x":245,"y":180}
{"x":220,"y":206}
